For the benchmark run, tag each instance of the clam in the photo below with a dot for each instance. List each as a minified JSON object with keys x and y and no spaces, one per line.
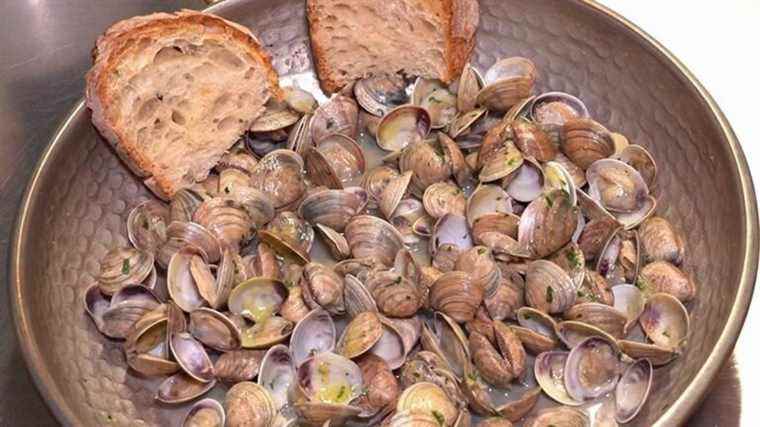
{"x":596,"y":235}
{"x":180,"y":388}
{"x":394,"y":294}
{"x":665,"y":321}
{"x":214,"y":329}
{"x":448,"y":341}
{"x":442,"y":198}
{"x":146,"y":346}
{"x":570,"y":258}
{"x":238,"y":365}
{"x":205,"y":413}
{"x":411,"y":220}
{"x":639,"y":158}
{"x":180,"y":282}
{"x":527,"y":183}
{"x":451,"y":229}
{"x":409,"y":329}
{"x":277,"y":374}
{"x":333,"y":208}
{"x":357,"y":298}
{"x":500,"y":367}
{"x":537,"y":330}
{"x":213,"y":290}
{"x":371,"y":237}
{"x":191,"y":356}
{"x":185,"y":202}
{"x":455,"y":294}
{"x":379,"y":94}
{"x":603,"y":316}
{"x":480,"y":265}
{"x":470,"y":83}
{"x":335,"y":161}
{"x":393,"y":193}
{"x":592,"y":369}
{"x":485,"y":200}
{"x":594,"y":288}
{"x":314,"y":334}
{"x":258,"y":206}
{"x":363,"y":332}
{"x":428,"y":398}
{"x":461,"y":127}
{"x":279,"y":174}
{"x":319,"y":414}
{"x":339,"y":115}
{"x":126,"y":308}
{"x":437,"y":100}
{"x":382,"y":387}
{"x":616,"y":186}
{"x":125,"y":266}
{"x":95,"y":304}
{"x":638,"y":350}
{"x":266,"y":333}
{"x":549,"y":370}
{"x":629,"y":300}
{"x":632,"y":220}
{"x":258,"y":298}
{"x":249,"y":405}
{"x":548,"y":223}
{"x":299,"y":139}
{"x":263,"y":263}
{"x":322,"y":287}
{"x":336,"y":243}
{"x":391,"y":345}
{"x":290,"y":236}
{"x":660,"y":241}
{"x":277,"y":115}
{"x":329,"y":378}
{"x":517,"y":409}
{"x":428,"y":163}
{"x":662,"y":276}
{"x":412,"y":419}
{"x":426,"y":366}
{"x":192,"y":235}
{"x":632,"y":390}
{"x":532,"y":141}
{"x":503,"y":301}
{"x":146,"y":226}
{"x":551,"y":110}
{"x":507,"y":82}
{"x":463,"y":173}
{"x":403,"y":126}
{"x":300,"y":100}
{"x":572,"y":332}
{"x":376,"y":179}
{"x":559,"y":416}
{"x":500,"y":162}
{"x":557,"y":177}
{"x":548,"y":288}
{"x":585,"y":141}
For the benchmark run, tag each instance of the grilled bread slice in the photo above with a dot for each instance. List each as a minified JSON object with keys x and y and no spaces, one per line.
{"x":173,"y":92}
{"x":351,"y":39}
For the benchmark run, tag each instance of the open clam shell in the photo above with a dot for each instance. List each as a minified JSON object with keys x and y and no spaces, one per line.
{"x":507,"y":82}
{"x":665,"y":321}
{"x":557,"y":177}
{"x":335,"y":161}
{"x":638,"y":350}
{"x":376,"y":179}
{"x":333,"y":208}
{"x":180,"y":388}
{"x":279,"y":174}
{"x":639,"y":158}
{"x":180,"y":282}
{"x":205,"y":413}
{"x":314,"y":334}
{"x":595,"y":288}
{"x":360,"y":335}
{"x":428,"y":398}
{"x":533,"y":141}
{"x":394,"y":294}
{"x":517,"y":409}
{"x":428,"y":162}
{"x":290,"y":236}
{"x":442,"y":198}
{"x":238,"y":365}
{"x":564,"y":416}
{"x":214,"y":329}
{"x":249,"y":404}
{"x":527,"y":183}
{"x":603,"y":316}
{"x":258,"y":298}
{"x":277,"y":374}
{"x":554,"y":109}
{"x":451,"y":229}
{"x":392,"y":194}
{"x":470,"y":83}
{"x":500,"y":161}
{"x":322,"y":287}
{"x":592,"y":368}
{"x":572,"y":332}
{"x":340,"y":115}
{"x":124,"y":266}
{"x":336,"y":242}
{"x":391,"y":345}
{"x":329,"y":378}
{"x":277,"y":115}
{"x":616,"y":186}
{"x":548,"y":223}
{"x":379,"y":94}
{"x":191,"y":356}
{"x":461,"y":127}
{"x":660,"y":241}
{"x":629,"y":300}
{"x":632,"y":390}
{"x":485,"y":200}
{"x":146,"y":225}
{"x":549,"y":371}
{"x":404,"y":125}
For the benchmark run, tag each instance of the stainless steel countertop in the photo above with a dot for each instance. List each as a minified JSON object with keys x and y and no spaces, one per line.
{"x":44,"y":53}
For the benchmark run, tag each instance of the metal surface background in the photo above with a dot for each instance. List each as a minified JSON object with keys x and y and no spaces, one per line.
{"x":43,"y":55}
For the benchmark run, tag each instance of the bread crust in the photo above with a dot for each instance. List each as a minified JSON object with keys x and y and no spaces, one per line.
{"x":115,"y":44}
{"x":463,"y":17}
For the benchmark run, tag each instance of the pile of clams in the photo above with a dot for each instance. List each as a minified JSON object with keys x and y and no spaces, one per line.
{"x":408,"y":253}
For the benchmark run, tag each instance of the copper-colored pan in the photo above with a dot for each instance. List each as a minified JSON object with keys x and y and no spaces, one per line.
{"x":80,"y":194}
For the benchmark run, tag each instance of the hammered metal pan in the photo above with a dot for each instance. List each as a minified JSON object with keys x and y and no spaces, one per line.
{"x":76,"y":204}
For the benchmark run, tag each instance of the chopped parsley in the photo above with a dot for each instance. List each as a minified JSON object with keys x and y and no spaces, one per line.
{"x":341,"y":393}
{"x":439,"y":417}
{"x":481,"y":251}
{"x":549,"y":294}
{"x":125,"y":266}
{"x":549,"y":200}
{"x":641,"y":283}
{"x":573,"y":259}
{"x":666,"y":334}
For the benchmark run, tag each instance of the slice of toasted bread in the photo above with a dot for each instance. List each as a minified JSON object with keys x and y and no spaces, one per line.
{"x":173,"y":92}
{"x":351,"y":39}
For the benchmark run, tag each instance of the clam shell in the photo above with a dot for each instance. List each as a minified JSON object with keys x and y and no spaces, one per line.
{"x":665,"y":321}
{"x":548,"y":223}
{"x":556,"y":108}
{"x":333,"y":208}
{"x":238,"y":365}
{"x":517,"y":409}
{"x":249,"y":405}
{"x":442,"y":198}
{"x":500,"y":162}
{"x":470,"y":83}
{"x":205,"y":413}
{"x":214,"y":329}
{"x":427,"y":397}
{"x":660,"y":241}
{"x":192,"y":357}
{"x":379,"y":94}
{"x":339,"y":115}
{"x":394,"y":294}
{"x":257,"y":299}
{"x":180,"y":283}
{"x":572,"y":332}
{"x":486,"y":200}
{"x":585,"y":141}
{"x":591,"y":369}
{"x":322,"y":287}
{"x":629,"y":300}
{"x":508,"y":81}
{"x":300,"y":100}
{"x":532,"y":141}
{"x":330,"y":378}
{"x":376,"y":179}
{"x":124,"y":266}
{"x":527,"y":183}
{"x":404,"y":125}
{"x":390,"y":347}
{"x":277,"y":374}
{"x":662,"y":276}
{"x":595,"y":289}
{"x":566,"y":417}
{"x":436,"y":99}
{"x":602,"y":316}
{"x":392,"y":194}
{"x":632,"y":390}
{"x":616,"y":186}
{"x":382,"y":386}
{"x":549,"y":370}
{"x":548,"y":288}
{"x":371,"y":237}
{"x":314,"y":334}
{"x":451,"y":229}
{"x":639,"y":158}
{"x":455,"y":294}
{"x":428,"y":162}
{"x":146,"y":225}
{"x":357,"y":297}
{"x":638,"y":350}
{"x":279,"y":174}
{"x":363,"y":332}
{"x":335,"y":242}
{"x":277,"y":115}
{"x":180,"y":388}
